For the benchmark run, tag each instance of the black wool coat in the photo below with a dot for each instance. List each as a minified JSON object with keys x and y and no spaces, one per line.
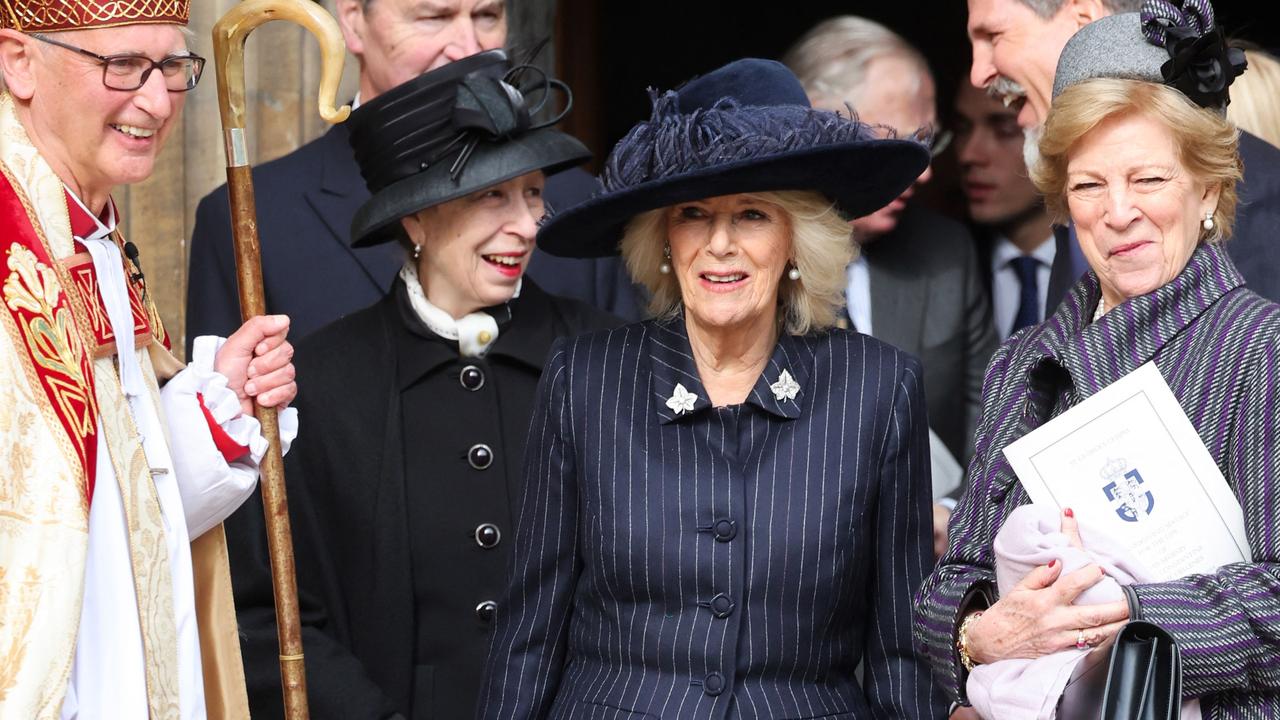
{"x":388,"y":493}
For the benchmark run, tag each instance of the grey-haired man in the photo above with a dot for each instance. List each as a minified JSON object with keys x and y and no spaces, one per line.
{"x":1016,"y":44}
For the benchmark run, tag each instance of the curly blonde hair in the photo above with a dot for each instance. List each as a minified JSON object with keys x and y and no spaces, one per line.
{"x":822,"y":246}
{"x":1206,"y":143}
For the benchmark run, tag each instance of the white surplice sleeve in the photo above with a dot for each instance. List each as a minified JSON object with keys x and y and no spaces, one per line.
{"x":211,"y":487}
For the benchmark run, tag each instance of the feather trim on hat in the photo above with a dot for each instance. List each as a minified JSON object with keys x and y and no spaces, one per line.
{"x":673,"y":143}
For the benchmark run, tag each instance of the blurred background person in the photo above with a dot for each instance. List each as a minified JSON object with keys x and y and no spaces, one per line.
{"x":1146,"y":167}
{"x":1016,"y":44}
{"x":404,"y":490}
{"x":1015,"y":237}
{"x":915,"y":283}
{"x":306,"y":199}
{"x":1255,"y":97}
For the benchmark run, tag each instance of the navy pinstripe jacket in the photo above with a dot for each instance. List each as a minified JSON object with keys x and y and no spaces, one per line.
{"x":733,"y":562}
{"x":1218,"y":346}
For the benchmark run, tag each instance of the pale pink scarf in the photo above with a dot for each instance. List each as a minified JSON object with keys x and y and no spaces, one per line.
{"x":1032,"y":537}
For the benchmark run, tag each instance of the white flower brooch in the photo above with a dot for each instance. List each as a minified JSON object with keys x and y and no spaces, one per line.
{"x":786,"y":388}
{"x":681,"y":401}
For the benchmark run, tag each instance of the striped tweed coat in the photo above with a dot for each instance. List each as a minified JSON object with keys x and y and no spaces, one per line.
{"x":1218,"y":346}
{"x":734,"y":562}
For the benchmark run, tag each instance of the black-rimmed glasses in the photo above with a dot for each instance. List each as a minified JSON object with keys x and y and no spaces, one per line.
{"x":130,"y":72}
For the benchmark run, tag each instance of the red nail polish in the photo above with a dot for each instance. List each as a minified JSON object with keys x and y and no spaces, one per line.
{"x":1069,"y":512}
{"x":1053,"y":563}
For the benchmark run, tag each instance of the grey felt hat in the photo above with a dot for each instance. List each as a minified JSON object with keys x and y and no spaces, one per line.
{"x":1171,"y":42}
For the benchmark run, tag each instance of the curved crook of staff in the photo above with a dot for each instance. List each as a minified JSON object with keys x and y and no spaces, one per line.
{"x":229,"y":36}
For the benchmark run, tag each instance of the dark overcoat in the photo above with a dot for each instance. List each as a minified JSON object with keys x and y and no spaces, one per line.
{"x":402,"y":487}
{"x":1217,"y":344}
{"x":688,"y":561}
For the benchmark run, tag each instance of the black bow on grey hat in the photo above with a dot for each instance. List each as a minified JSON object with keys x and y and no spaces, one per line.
{"x":450,"y":132}
{"x":1171,"y":42}
{"x":746,"y":127}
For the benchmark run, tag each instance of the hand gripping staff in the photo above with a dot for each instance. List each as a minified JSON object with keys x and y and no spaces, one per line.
{"x":229,"y":35}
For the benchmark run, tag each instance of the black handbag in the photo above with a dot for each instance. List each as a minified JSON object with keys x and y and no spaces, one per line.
{"x":1139,"y":679}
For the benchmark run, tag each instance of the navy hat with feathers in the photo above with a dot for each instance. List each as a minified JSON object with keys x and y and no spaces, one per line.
{"x":746,"y":127}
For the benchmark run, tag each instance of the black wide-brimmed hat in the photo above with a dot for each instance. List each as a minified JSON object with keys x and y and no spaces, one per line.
{"x":746,"y":127}
{"x":450,"y":132}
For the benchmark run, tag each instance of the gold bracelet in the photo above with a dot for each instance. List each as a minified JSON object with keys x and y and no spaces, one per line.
{"x":962,"y":640}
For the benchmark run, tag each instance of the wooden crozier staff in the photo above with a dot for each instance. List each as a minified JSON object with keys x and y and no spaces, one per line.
{"x":229,"y":36}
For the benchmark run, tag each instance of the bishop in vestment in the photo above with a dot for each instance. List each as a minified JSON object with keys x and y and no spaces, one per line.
{"x":117,"y":463}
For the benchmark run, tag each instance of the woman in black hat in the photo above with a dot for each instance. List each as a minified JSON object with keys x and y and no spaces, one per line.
{"x":404,"y":490}
{"x":726,"y":508}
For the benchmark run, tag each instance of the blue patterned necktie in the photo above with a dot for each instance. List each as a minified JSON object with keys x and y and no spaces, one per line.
{"x":1027,"y":268}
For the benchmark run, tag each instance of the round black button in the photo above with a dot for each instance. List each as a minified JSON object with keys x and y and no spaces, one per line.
{"x":725,"y":530}
{"x":480,"y":456}
{"x":488,"y":536}
{"x":722,"y":606}
{"x":471,"y":377}
{"x":713,"y":684}
{"x":485,"y":610}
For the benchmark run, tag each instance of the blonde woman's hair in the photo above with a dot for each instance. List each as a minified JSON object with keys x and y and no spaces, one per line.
{"x":1255,"y":97}
{"x":1205,"y":142}
{"x":821,"y":246}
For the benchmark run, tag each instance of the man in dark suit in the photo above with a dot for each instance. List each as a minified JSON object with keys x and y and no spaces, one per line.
{"x":1015,"y":238}
{"x":1022,"y":65}
{"x":306,"y":199}
{"x":917,"y":284}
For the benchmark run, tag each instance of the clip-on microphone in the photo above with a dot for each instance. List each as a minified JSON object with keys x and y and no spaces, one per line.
{"x":131,"y":252}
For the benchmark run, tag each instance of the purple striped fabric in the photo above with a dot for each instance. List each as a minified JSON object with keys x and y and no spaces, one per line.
{"x":1218,"y":346}
{"x":1160,"y":14}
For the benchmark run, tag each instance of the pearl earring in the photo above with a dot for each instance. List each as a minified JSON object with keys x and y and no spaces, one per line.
{"x":417,"y":251}
{"x":1208,"y":222}
{"x":665,"y":267}
{"x":794,"y":273}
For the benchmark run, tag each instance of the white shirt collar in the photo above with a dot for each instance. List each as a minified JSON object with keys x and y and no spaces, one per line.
{"x":857,"y":294}
{"x":1005,"y":251}
{"x":103,"y":230}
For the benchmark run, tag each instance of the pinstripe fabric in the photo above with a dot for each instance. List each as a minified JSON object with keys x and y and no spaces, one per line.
{"x":621,"y":552}
{"x":1218,"y":346}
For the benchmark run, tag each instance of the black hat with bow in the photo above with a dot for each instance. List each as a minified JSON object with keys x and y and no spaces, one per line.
{"x":450,"y":132}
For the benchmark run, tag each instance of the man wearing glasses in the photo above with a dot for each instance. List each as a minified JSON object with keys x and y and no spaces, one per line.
{"x":117,"y":464}
{"x":916,"y":284}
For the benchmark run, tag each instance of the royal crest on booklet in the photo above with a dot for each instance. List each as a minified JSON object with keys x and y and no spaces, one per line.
{"x":1129,"y":463}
